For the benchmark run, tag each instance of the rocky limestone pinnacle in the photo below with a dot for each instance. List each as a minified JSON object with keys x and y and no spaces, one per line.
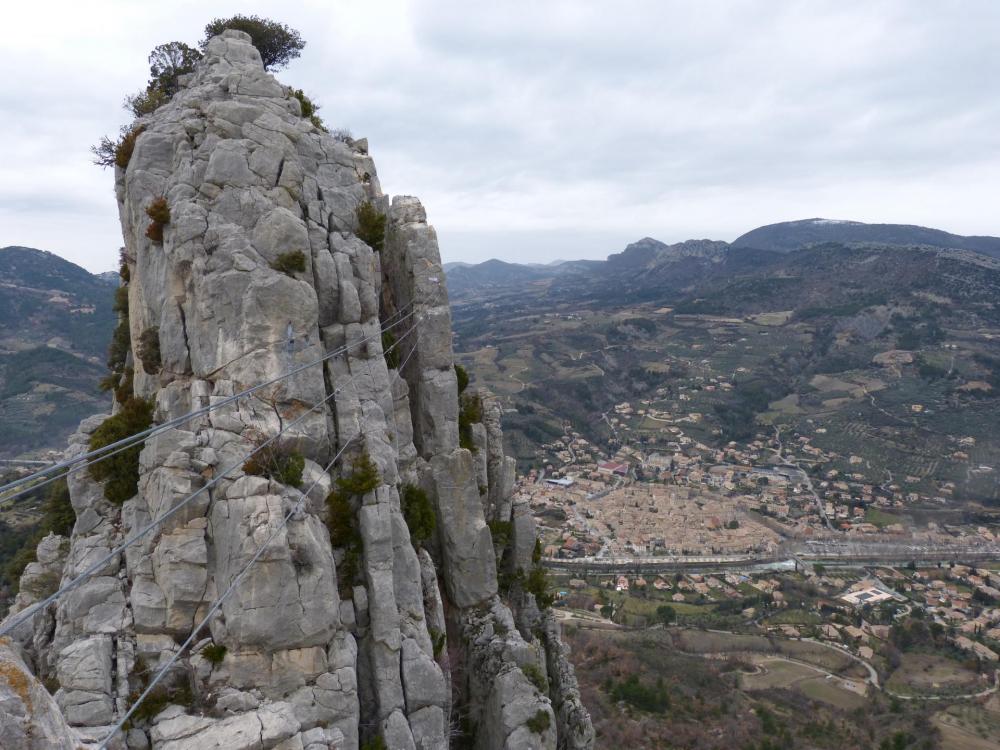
{"x":324,"y":641}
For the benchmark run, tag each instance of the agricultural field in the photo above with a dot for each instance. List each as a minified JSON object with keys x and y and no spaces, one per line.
{"x":923,"y":674}
{"x":812,"y":682}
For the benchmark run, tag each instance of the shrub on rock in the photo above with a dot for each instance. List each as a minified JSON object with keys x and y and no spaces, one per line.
{"x":148,"y":350}
{"x":278,"y":463}
{"x":108,"y":153}
{"x":120,"y":471}
{"x":277,"y":43}
{"x":159,"y":212}
{"x":291,"y":262}
{"x":371,"y":225}
{"x":418,"y":513}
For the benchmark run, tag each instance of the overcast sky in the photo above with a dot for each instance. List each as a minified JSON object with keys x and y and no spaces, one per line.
{"x":542,"y":130}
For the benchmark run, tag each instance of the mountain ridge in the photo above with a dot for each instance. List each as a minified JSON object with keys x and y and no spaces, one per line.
{"x":788,"y":236}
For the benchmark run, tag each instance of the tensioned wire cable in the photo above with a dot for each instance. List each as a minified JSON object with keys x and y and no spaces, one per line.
{"x":232,"y":587}
{"x":28,"y":613}
{"x":296,"y":507}
{"x":126,"y":443}
{"x":82,"y":461}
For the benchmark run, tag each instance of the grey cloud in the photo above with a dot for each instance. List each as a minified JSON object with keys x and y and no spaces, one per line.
{"x":531,"y":129}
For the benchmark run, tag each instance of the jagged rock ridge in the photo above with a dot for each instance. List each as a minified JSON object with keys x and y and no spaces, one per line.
{"x":416,"y":646}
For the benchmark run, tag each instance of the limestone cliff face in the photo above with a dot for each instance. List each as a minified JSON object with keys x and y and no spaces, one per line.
{"x":325,"y":646}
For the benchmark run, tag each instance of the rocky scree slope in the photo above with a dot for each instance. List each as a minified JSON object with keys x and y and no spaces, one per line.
{"x":372,"y":640}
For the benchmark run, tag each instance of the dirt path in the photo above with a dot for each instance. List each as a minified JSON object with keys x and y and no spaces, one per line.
{"x":513,"y":376}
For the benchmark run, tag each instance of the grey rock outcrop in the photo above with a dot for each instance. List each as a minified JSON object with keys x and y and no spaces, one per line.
{"x":322,"y":640}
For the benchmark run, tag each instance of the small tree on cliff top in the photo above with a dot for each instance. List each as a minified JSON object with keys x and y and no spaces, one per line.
{"x":276,"y":42}
{"x":168,"y":62}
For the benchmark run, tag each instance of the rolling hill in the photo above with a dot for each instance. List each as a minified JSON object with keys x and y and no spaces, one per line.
{"x":55,"y":324}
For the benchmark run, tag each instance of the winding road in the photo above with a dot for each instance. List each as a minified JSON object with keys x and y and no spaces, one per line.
{"x":785,"y":461}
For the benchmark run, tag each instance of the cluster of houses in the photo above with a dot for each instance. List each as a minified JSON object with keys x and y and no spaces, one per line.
{"x":804,"y":503}
{"x":962,"y":599}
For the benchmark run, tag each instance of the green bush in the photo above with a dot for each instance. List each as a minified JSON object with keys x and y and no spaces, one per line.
{"x":290,"y":262}
{"x":277,"y":462}
{"x":537,"y":678}
{"x":58,"y":516}
{"x":146,"y":101}
{"x":125,"y":387}
{"x":539,"y":722}
{"x":418,"y":512}
{"x":653,"y":699}
{"x":110,"y":381}
{"x":666,"y":614}
{"x":537,"y":583}
{"x":15,"y":565}
{"x":391,"y":355}
{"x":277,"y":43}
{"x":309,"y":109}
{"x":438,"y":639}
{"x":123,"y":270}
{"x":18,"y":546}
{"x":375,"y":743}
{"x":148,"y":350}
{"x":501,"y":533}
{"x":158,"y":699}
{"x":371,"y":226}
{"x":121,"y":343}
{"x":470,"y":411}
{"x":214,"y":653}
{"x":462,"y":376}
{"x":120,"y":472}
{"x":340,"y":521}
{"x":363,"y":477}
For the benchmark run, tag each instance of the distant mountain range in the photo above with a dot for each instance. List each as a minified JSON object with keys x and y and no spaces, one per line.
{"x":847,"y":327}
{"x":56,"y":321}
{"x":793,"y":235}
{"x":649,"y":254}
